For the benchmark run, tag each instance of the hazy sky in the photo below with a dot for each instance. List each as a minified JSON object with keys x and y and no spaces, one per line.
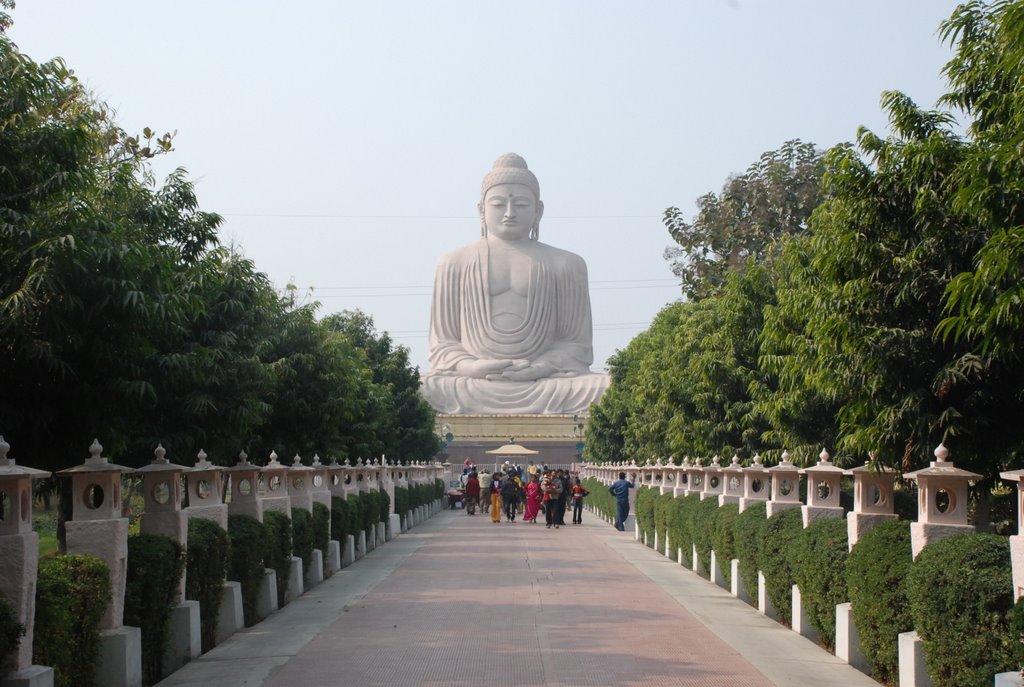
{"x":344,"y":142}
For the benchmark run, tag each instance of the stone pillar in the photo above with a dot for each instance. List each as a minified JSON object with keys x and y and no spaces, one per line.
{"x":785,"y":486}
{"x":822,"y":490}
{"x":1016,"y":540}
{"x":694,"y":476}
{"x":300,"y":486}
{"x":732,"y":482}
{"x":275,"y":479}
{"x":98,"y":528}
{"x":755,"y":484}
{"x":19,"y":563}
{"x":941,"y":502}
{"x":245,"y":498}
{"x":873,"y":500}
{"x":712,"y":480}
{"x":205,"y":486}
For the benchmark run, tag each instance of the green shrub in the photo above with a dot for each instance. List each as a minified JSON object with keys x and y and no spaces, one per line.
{"x":961,"y":601}
{"x":819,"y":568}
{"x":644,"y":504}
{"x":680,"y":526}
{"x":773,"y":554}
{"x":72,"y":594}
{"x":662,"y":508}
{"x":383,"y":506}
{"x":747,"y":533}
{"x":439,"y":489}
{"x":248,"y":549}
{"x":876,"y":574}
{"x":321,"y":527}
{"x":703,"y":518}
{"x":724,"y":541}
{"x":355,"y":514}
{"x":339,"y":519}
{"x":152,"y":584}
{"x":206,"y":567}
{"x":278,"y":554}
{"x":600,"y":500}
{"x":11,"y":632}
{"x":303,"y":538}
{"x":401,"y":501}
{"x":371,"y":510}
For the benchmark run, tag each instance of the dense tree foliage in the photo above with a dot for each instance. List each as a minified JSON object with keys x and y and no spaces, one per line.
{"x":867,"y":299}
{"x":123,"y":317}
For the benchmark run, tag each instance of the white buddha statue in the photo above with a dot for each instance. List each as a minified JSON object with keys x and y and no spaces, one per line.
{"x":510,"y":324}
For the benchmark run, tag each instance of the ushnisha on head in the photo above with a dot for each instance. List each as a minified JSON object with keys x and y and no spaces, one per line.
{"x":514,"y":190}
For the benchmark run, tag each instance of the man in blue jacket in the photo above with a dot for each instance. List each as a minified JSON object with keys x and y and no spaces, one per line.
{"x":620,"y":490}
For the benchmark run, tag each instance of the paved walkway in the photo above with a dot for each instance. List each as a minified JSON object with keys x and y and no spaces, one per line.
{"x":461,"y":601}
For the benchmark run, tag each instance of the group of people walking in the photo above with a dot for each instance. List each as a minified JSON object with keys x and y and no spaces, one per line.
{"x":547,"y":492}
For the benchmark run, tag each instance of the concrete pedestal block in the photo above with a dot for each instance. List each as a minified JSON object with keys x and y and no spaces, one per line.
{"x":19,"y":568}
{"x":800,"y":623}
{"x":371,"y":539}
{"x":668,"y":546}
{"x":315,"y":573}
{"x":404,"y":519}
{"x":361,"y":545}
{"x":296,"y":584}
{"x":1017,"y":561}
{"x":656,"y":545}
{"x":333,"y":562}
{"x":913,"y":669}
{"x":382,"y":533}
{"x":859,"y":524}
{"x":410,"y":521}
{"x":746,"y":503}
{"x":679,"y":556}
{"x":1002,"y":680}
{"x":120,"y":662}
{"x":348,"y":556}
{"x":812,"y":513}
{"x":695,"y":562}
{"x":266,"y":601}
{"x":773,"y":507}
{"x":717,"y":575}
{"x":108,"y":540}
{"x":764,"y":604}
{"x":394,"y":526}
{"x":34,"y":676}
{"x":922,"y":534}
{"x":736,"y":586}
{"x":185,"y":639}
{"x":231,"y":617}
{"x":848,"y":641}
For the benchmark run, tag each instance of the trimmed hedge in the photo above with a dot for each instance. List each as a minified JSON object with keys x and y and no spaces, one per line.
{"x":876,"y":574}
{"x":644,"y":505}
{"x":599,"y":500}
{"x":11,"y":632}
{"x":724,"y":540}
{"x":278,"y":552}
{"x":401,"y":501}
{"x":703,"y":518}
{"x":819,"y":567}
{"x":248,"y":548}
{"x":206,"y":567}
{"x":302,"y":536}
{"x":339,"y":519}
{"x":680,"y":526}
{"x":72,"y":594}
{"x":152,"y":583}
{"x":321,"y":527}
{"x":773,"y":554}
{"x":748,"y":530}
{"x":961,"y":601}
{"x":662,"y":509}
{"x":354,"y":503}
{"x":383,"y":506}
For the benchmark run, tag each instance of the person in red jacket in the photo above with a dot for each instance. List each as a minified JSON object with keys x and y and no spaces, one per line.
{"x":472,"y":493}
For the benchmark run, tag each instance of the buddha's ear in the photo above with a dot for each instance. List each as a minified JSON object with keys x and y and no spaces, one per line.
{"x":535,"y":230}
{"x":483,"y":222}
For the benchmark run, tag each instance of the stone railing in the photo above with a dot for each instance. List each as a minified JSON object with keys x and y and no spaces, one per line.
{"x":942,"y":512}
{"x":97,"y":527}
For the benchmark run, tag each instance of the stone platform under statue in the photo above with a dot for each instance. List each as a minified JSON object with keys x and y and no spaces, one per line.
{"x":556,"y":438}
{"x":510,"y":323}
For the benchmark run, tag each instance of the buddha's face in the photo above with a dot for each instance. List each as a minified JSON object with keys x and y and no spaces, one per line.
{"x":510,"y":211}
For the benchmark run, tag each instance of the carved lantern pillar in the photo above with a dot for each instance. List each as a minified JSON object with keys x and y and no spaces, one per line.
{"x":359,"y":480}
{"x":679,"y":481}
{"x":162,"y":498}
{"x":822,"y":490}
{"x":694,"y":476}
{"x":321,"y":482}
{"x":245,"y":498}
{"x":1016,"y":540}
{"x":756,"y":480}
{"x":300,"y":485}
{"x":19,"y":551}
{"x":732,"y":482}
{"x":785,"y":486}
{"x":712,"y":480}
{"x":941,"y":501}
{"x":275,"y":480}
{"x":873,"y":500}
{"x":336,"y":478}
{"x":205,"y":486}
{"x":97,"y":526}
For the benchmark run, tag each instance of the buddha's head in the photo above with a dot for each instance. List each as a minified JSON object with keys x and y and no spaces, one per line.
{"x":510,"y":207}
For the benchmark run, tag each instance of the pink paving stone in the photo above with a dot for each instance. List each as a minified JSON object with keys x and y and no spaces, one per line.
{"x":516,"y":604}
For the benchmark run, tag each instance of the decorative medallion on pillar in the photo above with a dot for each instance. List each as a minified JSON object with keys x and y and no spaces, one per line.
{"x":822,"y":490}
{"x":245,"y":498}
{"x":873,"y":499}
{"x":756,"y":480}
{"x":941,"y":500}
{"x":275,"y":480}
{"x":732,"y":482}
{"x":712,"y":480}
{"x":785,"y":486}
{"x":205,"y":486}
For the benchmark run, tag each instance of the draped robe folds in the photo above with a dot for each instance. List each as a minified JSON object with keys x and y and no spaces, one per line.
{"x":557,"y":329}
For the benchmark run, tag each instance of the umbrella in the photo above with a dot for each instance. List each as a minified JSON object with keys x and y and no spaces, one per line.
{"x":512,"y":450}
